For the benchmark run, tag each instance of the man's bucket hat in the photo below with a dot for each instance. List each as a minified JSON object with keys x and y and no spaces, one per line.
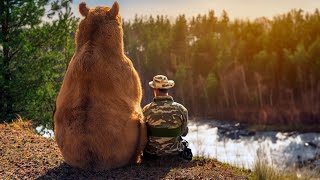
{"x":161,"y":82}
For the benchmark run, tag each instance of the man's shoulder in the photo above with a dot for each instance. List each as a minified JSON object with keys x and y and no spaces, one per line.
{"x":165,"y":105}
{"x":146,"y":107}
{"x":180,"y":106}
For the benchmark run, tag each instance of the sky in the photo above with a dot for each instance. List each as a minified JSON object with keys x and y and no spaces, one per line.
{"x":244,"y":9}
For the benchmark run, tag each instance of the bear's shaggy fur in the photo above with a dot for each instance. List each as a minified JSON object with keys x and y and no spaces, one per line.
{"x":98,"y":119}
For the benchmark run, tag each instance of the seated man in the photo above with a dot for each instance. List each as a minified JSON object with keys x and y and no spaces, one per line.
{"x":166,"y":122}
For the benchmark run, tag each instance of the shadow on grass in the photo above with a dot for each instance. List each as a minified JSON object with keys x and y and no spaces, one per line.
{"x":148,"y":169}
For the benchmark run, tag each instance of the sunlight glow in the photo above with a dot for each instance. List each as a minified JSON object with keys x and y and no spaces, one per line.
{"x":243,"y":9}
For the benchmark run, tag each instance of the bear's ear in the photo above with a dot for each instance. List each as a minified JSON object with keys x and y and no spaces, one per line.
{"x":114,"y":11}
{"x":84,"y":10}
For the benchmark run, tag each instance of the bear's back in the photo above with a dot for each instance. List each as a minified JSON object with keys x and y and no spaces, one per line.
{"x":98,"y":114}
{"x":94,"y":106}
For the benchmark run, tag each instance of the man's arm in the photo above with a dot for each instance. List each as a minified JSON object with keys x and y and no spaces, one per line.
{"x":144,"y":111}
{"x":185,"y":128}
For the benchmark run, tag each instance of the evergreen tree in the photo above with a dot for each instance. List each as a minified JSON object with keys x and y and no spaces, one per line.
{"x":35,"y":56}
{"x":16,"y":17}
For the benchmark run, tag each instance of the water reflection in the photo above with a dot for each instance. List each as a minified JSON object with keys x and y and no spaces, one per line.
{"x":241,"y":148}
{"x":45,"y":132}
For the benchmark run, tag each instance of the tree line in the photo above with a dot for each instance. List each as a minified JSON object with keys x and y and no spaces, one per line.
{"x":262,"y":70}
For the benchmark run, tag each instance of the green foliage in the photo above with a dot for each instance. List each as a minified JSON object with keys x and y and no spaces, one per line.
{"x":35,"y":58}
{"x":212,"y":85}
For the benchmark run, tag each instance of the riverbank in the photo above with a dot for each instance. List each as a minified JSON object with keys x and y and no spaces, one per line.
{"x":298,"y":127}
{"x":26,"y":155}
{"x":285,"y":117}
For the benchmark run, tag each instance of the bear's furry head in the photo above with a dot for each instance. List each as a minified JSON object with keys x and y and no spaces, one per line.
{"x":101,"y":25}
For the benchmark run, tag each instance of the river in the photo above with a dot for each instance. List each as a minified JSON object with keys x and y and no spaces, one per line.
{"x":228,"y":142}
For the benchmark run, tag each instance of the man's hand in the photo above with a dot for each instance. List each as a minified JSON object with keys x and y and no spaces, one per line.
{"x":185,"y":131}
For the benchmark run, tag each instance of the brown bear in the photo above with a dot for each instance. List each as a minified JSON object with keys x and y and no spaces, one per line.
{"x":98,"y":119}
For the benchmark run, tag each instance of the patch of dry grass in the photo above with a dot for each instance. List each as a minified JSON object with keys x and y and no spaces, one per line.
{"x":25,"y":154}
{"x":262,"y":171}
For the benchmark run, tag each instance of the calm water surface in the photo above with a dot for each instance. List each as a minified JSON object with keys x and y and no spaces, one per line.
{"x":281,"y":150}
